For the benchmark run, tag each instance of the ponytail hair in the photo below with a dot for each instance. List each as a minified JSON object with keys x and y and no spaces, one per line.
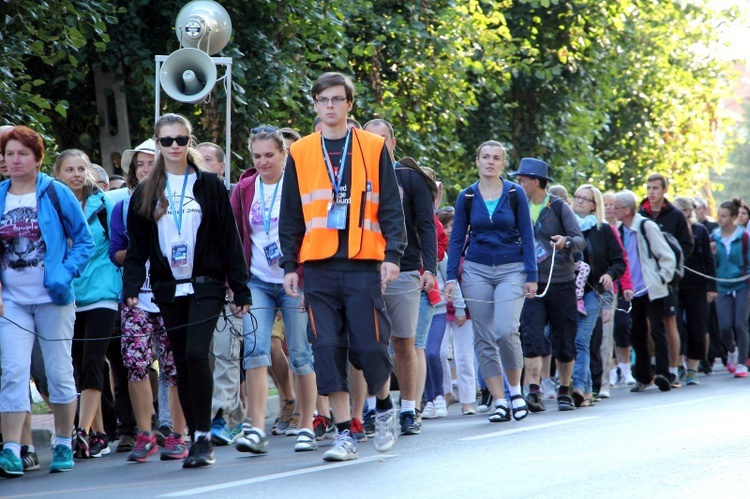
{"x":733,"y":206}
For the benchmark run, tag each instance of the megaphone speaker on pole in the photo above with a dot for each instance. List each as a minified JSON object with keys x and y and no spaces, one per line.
{"x":203,"y":24}
{"x":188,"y":75}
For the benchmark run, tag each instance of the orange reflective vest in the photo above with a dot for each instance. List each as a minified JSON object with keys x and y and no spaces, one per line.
{"x":366,"y":242}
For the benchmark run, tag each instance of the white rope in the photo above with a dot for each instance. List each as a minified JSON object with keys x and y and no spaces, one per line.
{"x":719,"y":279}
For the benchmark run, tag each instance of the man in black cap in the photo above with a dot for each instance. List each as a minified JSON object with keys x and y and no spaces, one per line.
{"x":555,"y":226}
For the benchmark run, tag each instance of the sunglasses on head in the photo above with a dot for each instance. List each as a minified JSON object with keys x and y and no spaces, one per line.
{"x":263,"y":128}
{"x":182,"y":141}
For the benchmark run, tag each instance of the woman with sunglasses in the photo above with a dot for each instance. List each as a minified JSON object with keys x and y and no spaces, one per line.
{"x":180,"y":221}
{"x":144,"y":336}
{"x":97,"y":292}
{"x":603,"y":254}
{"x":256,"y":202}
{"x":498,"y":272}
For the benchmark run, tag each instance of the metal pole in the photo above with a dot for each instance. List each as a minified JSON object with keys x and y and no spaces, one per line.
{"x":228,"y":156}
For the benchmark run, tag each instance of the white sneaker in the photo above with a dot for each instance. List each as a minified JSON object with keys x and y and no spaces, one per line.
{"x":732,"y":360}
{"x":441,"y":410}
{"x":548,"y":389}
{"x":613,"y":377}
{"x":429,"y":411}
{"x":741,"y":371}
{"x":386,"y":430}
{"x":604,"y":394}
{"x":628,"y":377}
{"x":344,"y":448}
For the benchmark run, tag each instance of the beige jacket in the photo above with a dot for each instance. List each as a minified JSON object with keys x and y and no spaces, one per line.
{"x":657,"y":269}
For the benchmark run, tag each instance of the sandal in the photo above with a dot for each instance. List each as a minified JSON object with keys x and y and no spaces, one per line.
{"x":586,"y":403}
{"x":519,"y":412}
{"x":564,"y":402}
{"x":577,"y":398}
{"x":500,"y":414}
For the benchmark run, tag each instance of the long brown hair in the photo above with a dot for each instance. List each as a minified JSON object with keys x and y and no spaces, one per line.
{"x":156,"y":181}
{"x":89,"y":183}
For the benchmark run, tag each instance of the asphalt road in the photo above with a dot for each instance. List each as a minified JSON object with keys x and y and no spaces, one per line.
{"x":689,"y":442}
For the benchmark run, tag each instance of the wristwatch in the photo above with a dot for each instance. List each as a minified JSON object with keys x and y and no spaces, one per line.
{"x":568,"y":244}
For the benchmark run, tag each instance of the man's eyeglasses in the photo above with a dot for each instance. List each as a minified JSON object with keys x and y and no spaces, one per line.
{"x":323,"y":101}
{"x":582,"y":198}
{"x":618,"y":207}
{"x":182,"y":141}
{"x":264,"y":128}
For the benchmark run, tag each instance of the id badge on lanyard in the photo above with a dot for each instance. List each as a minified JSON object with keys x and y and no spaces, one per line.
{"x":178,"y":255}
{"x":336,"y":216}
{"x":337,"y":212}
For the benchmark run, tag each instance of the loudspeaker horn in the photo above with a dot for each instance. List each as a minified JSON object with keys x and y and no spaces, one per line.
{"x":205,"y":25}
{"x":188,"y":75}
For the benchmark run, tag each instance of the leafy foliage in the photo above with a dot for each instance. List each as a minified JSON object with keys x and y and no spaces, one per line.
{"x":605,"y":91}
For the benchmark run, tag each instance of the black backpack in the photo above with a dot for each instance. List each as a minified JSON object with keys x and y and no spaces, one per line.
{"x":674,"y":245}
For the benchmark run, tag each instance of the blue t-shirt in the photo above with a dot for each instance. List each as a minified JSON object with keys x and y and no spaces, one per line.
{"x":491,"y":205}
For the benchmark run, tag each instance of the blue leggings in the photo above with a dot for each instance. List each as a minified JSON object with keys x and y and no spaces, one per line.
{"x":434,"y":382}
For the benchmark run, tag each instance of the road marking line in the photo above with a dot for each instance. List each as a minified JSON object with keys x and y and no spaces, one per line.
{"x":526,"y":428}
{"x":275,"y":476}
{"x":675,"y":404}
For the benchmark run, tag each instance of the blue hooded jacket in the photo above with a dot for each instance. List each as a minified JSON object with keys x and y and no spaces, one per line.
{"x":732,"y":265}
{"x":62,"y":261}
{"x":101,"y":280}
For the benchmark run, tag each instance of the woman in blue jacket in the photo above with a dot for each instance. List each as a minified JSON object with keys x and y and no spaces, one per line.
{"x":499,"y":271}
{"x":730,"y":244}
{"x":46,"y":243}
{"x":97,"y":292}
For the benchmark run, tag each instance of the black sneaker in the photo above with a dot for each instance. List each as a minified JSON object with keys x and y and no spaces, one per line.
{"x":98,"y":444}
{"x":705,"y":367}
{"x":535,"y":402}
{"x":662,"y":382}
{"x":485,"y":401}
{"x":201,"y":454}
{"x":30,"y":459}
{"x":321,"y":425}
{"x":408,"y":421}
{"x":80,"y":444}
{"x":368,"y":421}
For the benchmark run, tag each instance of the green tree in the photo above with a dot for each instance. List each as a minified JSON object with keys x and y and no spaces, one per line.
{"x":44,"y":52}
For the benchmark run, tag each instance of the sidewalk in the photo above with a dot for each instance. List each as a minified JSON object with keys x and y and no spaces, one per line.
{"x":43,"y":425}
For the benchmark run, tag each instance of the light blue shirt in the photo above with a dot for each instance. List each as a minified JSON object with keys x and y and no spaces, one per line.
{"x":630,"y":242}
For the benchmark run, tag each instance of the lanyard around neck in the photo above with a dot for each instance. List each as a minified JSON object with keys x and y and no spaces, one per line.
{"x":267,"y":219}
{"x":177,"y":214}
{"x":336,"y":180}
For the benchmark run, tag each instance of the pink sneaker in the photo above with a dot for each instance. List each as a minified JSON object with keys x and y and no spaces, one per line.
{"x":741,"y":371}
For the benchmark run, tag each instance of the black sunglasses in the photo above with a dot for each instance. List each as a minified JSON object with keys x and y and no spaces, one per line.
{"x":264,"y":128}
{"x":182,"y":141}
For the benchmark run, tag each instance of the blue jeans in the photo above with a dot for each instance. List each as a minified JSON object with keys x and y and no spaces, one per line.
{"x":586,"y":323}
{"x":257,"y":325}
{"x":426,"y":309}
